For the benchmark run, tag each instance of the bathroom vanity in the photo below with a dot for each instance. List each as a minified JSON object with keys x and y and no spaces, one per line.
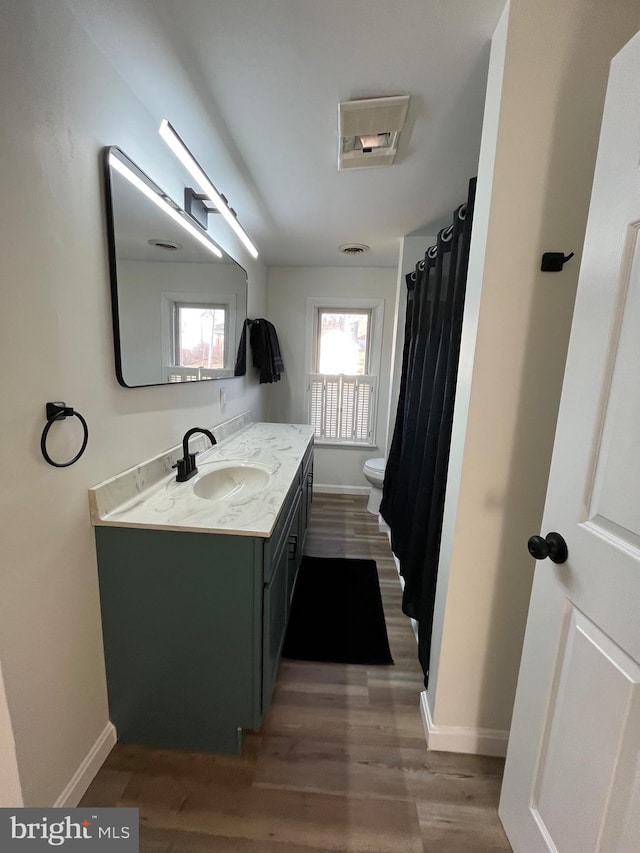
{"x":195,"y":591}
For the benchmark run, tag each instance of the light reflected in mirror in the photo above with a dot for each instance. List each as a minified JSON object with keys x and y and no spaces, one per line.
{"x":178,"y":309}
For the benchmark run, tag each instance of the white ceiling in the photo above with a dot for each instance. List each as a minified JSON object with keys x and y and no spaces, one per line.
{"x":270,"y":75}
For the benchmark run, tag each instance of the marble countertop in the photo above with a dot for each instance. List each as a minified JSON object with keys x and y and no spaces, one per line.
{"x":156,"y":501}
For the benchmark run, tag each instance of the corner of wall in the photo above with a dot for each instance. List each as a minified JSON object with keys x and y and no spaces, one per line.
{"x":75,"y":789}
{"x":471,"y":321}
{"x":464,"y":739}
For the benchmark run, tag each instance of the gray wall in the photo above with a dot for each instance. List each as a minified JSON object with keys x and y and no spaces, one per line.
{"x":61,"y":102}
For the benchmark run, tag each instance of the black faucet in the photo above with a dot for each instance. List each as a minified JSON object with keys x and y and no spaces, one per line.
{"x":187,"y":466}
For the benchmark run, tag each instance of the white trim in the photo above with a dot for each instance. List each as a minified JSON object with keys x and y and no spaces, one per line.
{"x":328,"y":489}
{"x":473,"y":741}
{"x":346,"y":445}
{"x":88,"y":769}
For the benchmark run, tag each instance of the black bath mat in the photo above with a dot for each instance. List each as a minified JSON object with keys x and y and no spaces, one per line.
{"x":336,"y":613}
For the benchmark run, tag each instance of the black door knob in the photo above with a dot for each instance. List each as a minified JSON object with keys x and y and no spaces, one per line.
{"x":552,"y":546}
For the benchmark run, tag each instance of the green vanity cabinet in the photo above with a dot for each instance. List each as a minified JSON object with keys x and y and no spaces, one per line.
{"x":193,"y":627}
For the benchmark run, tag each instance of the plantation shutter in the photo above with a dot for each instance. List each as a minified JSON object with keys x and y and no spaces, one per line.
{"x":341,"y":407}
{"x":331,"y":406}
{"x":363,"y":414}
{"x":316,"y":408}
{"x":182,"y":374}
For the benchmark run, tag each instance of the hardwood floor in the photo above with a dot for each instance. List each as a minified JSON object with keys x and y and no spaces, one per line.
{"x":340,"y":763}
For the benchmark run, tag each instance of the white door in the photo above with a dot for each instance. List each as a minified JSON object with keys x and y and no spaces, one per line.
{"x":10,"y":793}
{"x":572,"y":777}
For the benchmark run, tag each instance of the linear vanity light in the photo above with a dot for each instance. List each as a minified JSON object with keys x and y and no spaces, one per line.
{"x":195,"y":170}
{"x":158,"y":200}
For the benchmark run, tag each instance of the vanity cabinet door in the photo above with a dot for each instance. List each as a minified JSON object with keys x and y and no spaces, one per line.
{"x":307,"y":499}
{"x":282,"y":558}
{"x":274,"y":624}
{"x":282,"y":530}
{"x":294,"y":552}
{"x":277,"y":599}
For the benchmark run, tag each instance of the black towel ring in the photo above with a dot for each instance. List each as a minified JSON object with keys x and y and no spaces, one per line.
{"x":58,"y":412}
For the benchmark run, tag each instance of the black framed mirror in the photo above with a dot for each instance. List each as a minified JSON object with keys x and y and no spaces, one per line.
{"x":179,"y":302}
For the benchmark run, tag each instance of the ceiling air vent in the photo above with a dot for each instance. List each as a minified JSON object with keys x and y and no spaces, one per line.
{"x":169,"y":245}
{"x":369,"y":131}
{"x":353,"y":248}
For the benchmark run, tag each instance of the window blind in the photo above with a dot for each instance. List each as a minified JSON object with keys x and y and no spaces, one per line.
{"x":342,"y":407}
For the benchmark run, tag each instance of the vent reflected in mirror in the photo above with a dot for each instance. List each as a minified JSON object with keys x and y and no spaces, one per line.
{"x":179,"y":303}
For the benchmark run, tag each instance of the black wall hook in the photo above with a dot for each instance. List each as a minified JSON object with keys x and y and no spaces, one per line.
{"x":554,"y":261}
{"x":59,"y":412}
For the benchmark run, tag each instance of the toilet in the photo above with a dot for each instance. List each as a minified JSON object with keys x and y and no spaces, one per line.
{"x":373,"y":470}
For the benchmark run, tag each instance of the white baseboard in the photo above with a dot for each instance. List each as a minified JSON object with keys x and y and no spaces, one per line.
{"x":88,"y":769}
{"x":475,"y":741}
{"x":328,"y":489}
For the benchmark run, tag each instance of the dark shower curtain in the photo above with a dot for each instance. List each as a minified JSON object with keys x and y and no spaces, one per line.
{"x":416,"y":471}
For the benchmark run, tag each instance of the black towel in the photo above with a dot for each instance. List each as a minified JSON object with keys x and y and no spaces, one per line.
{"x":266,"y":350}
{"x":240,"y":367}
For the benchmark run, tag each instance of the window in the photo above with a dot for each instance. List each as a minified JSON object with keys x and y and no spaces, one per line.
{"x":344,"y":363}
{"x":342,"y":340}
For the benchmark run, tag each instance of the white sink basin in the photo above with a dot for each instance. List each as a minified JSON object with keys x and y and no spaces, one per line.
{"x":232,"y":480}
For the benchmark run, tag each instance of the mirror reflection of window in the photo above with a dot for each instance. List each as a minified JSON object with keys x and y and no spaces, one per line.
{"x":200,"y":336}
